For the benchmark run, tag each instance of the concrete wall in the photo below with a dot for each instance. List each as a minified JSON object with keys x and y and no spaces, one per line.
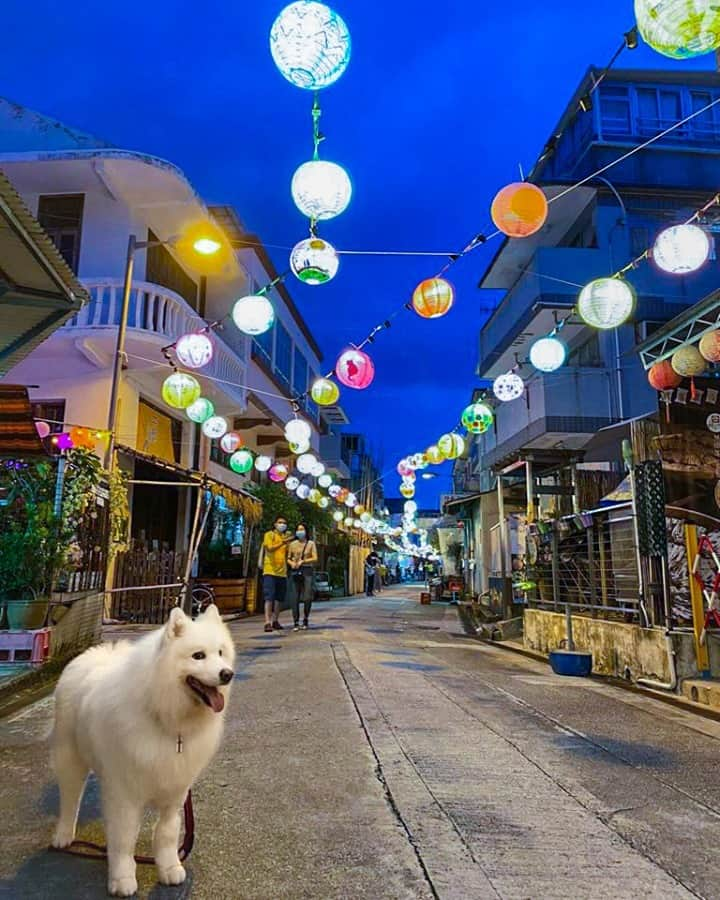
{"x":80,"y":627}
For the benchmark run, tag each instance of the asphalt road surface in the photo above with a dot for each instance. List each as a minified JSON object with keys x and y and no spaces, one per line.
{"x":383,"y":754}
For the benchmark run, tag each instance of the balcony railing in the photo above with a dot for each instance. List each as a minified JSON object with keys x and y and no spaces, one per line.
{"x":158,"y":311}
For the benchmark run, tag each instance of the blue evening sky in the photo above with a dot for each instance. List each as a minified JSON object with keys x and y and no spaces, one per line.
{"x":439,"y":105}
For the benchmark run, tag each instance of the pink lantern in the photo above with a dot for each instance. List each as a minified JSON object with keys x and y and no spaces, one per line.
{"x":43,"y":429}
{"x":231,"y":441}
{"x":278,"y":472}
{"x":194,"y":350}
{"x":404,"y":468}
{"x":64,"y":441}
{"x":355,"y":369}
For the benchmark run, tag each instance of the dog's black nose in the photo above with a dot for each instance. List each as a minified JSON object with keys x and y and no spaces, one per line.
{"x":226,"y":676}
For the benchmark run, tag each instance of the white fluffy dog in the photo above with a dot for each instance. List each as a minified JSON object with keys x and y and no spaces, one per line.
{"x":146,"y":717}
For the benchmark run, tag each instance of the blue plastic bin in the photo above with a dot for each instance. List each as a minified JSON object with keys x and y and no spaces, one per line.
{"x":577,"y":663}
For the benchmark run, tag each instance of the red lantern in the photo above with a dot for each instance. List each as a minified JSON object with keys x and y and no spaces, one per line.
{"x":519,"y":210}
{"x":433,"y":298}
{"x":355,"y":369}
{"x":663,"y":377}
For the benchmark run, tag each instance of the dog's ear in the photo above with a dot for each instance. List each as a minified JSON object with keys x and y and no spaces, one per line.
{"x":212,"y":612}
{"x":177,"y":623}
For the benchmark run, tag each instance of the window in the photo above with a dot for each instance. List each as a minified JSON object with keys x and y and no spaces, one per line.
{"x":61,"y":218}
{"x":615,"y":110}
{"x":283,"y":354}
{"x":50,"y":411}
{"x":702,"y":126}
{"x":300,"y":374}
{"x":657,"y":110}
{"x":162,"y":269}
{"x":587,"y":355}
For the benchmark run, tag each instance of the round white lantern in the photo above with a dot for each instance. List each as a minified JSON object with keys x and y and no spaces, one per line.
{"x":321,"y":189}
{"x":325,"y":480}
{"x":680,"y":29}
{"x":351,"y":501}
{"x":231,"y":441}
{"x":305,"y":463}
{"x":314,"y":261}
{"x":303,"y":492}
{"x":318,"y":469}
{"x":508,"y":387}
{"x":292,"y":483}
{"x":323,"y":503}
{"x":338,"y":515}
{"x":548,"y":354}
{"x":349,"y":522}
{"x":297,"y":431}
{"x":214,"y":427}
{"x":299,"y":449}
{"x":263,"y":463}
{"x":681,"y":249}
{"x":606,"y":302}
{"x":334,"y":490}
{"x":310,"y":45}
{"x":253,"y":314}
{"x":194,"y":350}
{"x":410,"y":507}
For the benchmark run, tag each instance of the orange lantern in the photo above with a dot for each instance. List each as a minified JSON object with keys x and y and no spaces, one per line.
{"x":663,"y":377}
{"x":519,"y":210}
{"x":433,"y":298}
{"x":709,"y":346}
{"x":82,"y":437}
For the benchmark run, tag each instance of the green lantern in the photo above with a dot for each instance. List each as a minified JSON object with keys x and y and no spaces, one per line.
{"x":451,"y":446}
{"x":180,"y":390}
{"x":324,"y":392}
{"x":477,"y":418}
{"x":200,"y":410}
{"x":680,"y":29}
{"x":241,"y":461}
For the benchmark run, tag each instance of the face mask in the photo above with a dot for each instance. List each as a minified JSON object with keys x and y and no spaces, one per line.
{"x":300,"y":535}
{"x":281,"y":527}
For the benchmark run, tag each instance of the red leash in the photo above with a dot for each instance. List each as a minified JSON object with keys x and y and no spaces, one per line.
{"x":98,"y":851}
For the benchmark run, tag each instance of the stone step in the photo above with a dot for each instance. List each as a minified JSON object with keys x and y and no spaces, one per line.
{"x":706,"y":693}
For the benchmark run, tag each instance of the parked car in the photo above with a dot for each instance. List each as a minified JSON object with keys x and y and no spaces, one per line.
{"x":323,"y":589}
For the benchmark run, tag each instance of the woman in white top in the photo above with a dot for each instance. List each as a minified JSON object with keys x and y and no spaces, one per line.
{"x":302,"y":558}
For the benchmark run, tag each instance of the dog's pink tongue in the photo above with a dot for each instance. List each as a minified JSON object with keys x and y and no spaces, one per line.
{"x":217,"y":701}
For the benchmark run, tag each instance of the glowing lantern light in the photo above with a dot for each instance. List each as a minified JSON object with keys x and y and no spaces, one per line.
{"x":64,"y":441}
{"x":434,"y":454}
{"x":323,"y":503}
{"x":314,"y":261}
{"x":606,"y":302}
{"x":241,"y":461}
{"x":349,"y":522}
{"x":325,"y":480}
{"x":688,"y":362}
{"x":200,"y":410}
{"x":299,"y":449}
{"x":410,"y":507}
{"x":215,"y":427}
{"x":262,"y":463}
{"x":681,"y":249}
{"x":679,"y":29}
{"x":298,"y":431}
{"x":43,"y":429}
{"x":318,"y":469}
{"x":351,"y":500}
{"x":508,"y":387}
{"x":365,"y":517}
{"x":359,"y":509}
{"x":278,"y":472}
{"x":314,"y":495}
{"x":194,"y":350}
{"x":433,"y":298}
{"x":305,"y":463}
{"x":324,"y":392}
{"x":419,"y":461}
{"x":410,"y":477}
{"x":519,"y":210}
{"x":310,"y":45}
{"x":321,"y":190}
{"x":179,"y":390}
{"x":303,"y":492}
{"x":407,"y":490}
{"x":335,"y":490}
{"x":404,"y":467}
{"x":338,"y":515}
{"x":548,"y":354}
{"x":292,"y":483}
{"x":231,"y":442}
{"x":477,"y":418}
{"x":662,"y":376}
{"x":82,"y":438}
{"x":709,"y":346}
{"x":253,"y":314}
{"x":355,"y":369}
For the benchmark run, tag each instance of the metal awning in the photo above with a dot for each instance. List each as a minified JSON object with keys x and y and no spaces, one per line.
{"x":687,"y":328}
{"x":18,"y":434}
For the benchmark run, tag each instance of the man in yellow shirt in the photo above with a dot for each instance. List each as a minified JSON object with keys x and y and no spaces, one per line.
{"x":274,"y":567}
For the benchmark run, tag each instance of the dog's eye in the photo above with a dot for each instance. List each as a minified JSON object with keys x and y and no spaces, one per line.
{"x":199,"y":655}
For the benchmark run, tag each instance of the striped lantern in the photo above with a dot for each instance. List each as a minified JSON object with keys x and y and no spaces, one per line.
{"x":433,"y":298}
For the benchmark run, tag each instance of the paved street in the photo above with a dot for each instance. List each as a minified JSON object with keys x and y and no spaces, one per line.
{"x":385,"y":755}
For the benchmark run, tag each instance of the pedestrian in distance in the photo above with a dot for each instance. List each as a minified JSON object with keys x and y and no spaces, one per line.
{"x":302,"y":558}
{"x":377,"y":577}
{"x":370,"y":563}
{"x":274,"y":568}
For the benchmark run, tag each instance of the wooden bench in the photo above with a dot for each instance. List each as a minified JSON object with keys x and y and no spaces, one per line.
{"x":230,"y":593}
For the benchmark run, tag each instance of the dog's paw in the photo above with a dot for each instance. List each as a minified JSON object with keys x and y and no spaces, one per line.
{"x":63,"y":837}
{"x":172,"y":875}
{"x":122,"y":887}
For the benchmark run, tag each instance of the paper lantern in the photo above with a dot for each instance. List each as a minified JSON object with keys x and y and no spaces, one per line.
{"x":410,"y":477}
{"x":303,"y":492}
{"x":681,"y":249}
{"x":410,"y":507}
{"x":688,"y":362}
{"x":64,"y":441}
{"x":335,"y":490}
{"x":709,"y":346}
{"x":43,"y":429}
{"x":305,"y":463}
{"x":324,"y":392}
{"x":194,"y":350}
{"x":452,"y":445}
{"x":343,"y":494}
{"x":214,"y":427}
{"x":606,"y":302}
{"x":231,"y":442}
{"x":292,"y":483}
{"x":434,"y":455}
{"x":359,"y":509}
{"x":323,"y":503}
{"x":321,"y":190}
{"x":508,"y":387}
{"x":433,"y":298}
{"x":355,"y":369}
{"x":404,"y":467}
{"x":200,"y":410}
{"x":318,"y":469}
{"x":519,"y":210}
{"x":314,"y":495}
{"x":350,"y":500}
{"x":241,"y":461}
{"x":262,"y":463}
{"x":298,"y":431}
{"x":179,"y":390}
{"x":662,"y":376}
{"x":83,"y":438}
{"x":253,"y":314}
{"x":299,"y":449}
{"x":365,"y":517}
{"x":679,"y":29}
{"x":407,"y":490}
{"x":278,"y":472}
{"x":310,"y":45}
{"x":314,"y":261}
{"x":338,"y":515}
{"x":349,"y":522}
{"x":477,"y":418}
{"x":325,"y":480}
{"x":548,"y":354}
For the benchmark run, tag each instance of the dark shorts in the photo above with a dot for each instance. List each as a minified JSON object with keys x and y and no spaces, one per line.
{"x":274,"y":589}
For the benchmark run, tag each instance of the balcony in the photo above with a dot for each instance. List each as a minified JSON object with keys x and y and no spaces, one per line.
{"x":157,"y":316}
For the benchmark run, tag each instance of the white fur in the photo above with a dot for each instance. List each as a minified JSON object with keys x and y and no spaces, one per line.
{"x":119,"y":711}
